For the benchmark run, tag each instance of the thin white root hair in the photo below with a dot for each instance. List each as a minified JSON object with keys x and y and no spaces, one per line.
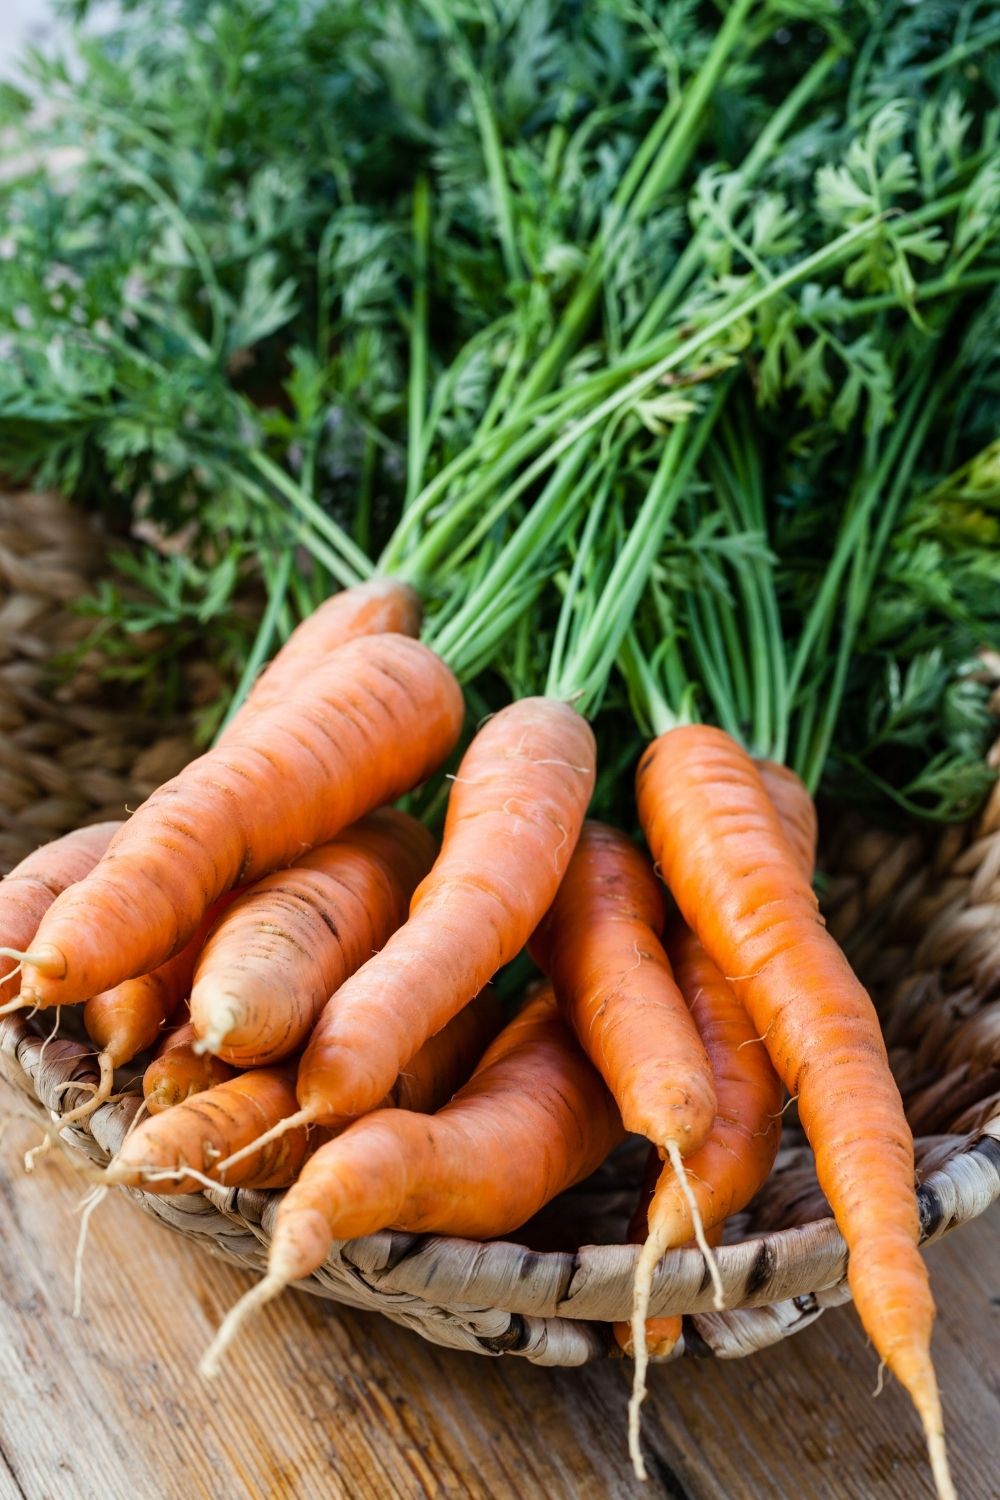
{"x":880,"y":1379}
{"x":649,"y":1259}
{"x":101,"y":1092}
{"x":711,"y":1263}
{"x":290,"y":1122}
{"x":32,"y":1155}
{"x":93,"y":1200}
{"x":266,"y":1290}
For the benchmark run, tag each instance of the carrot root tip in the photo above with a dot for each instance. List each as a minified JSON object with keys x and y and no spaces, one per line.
{"x":290,"y":1122}
{"x":100,"y":1093}
{"x":270,"y":1287}
{"x":213,"y":1038}
{"x":697,"y":1224}
{"x":938,"y":1454}
{"x":93,"y":1200}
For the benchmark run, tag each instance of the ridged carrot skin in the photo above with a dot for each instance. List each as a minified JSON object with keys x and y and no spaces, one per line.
{"x":374,"y":721}
{"x":534,"y":1119}
{"x":739,"y":1150}
{"x":446,"y":1061}
{"x":288,"y":943}
{"x":796,"y":811}
{"x":30,"y":888}
{"x":514,"y":816}
{"x":378,"y":607}
{"x":126,"y":1020}
{"x":210,"y":1126}
{"x":178,"y":1071}
{"x":600,"y":947}
{"x":719,"y":844}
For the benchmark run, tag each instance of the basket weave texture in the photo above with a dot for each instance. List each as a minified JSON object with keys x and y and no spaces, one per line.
{"x":920,"y":919}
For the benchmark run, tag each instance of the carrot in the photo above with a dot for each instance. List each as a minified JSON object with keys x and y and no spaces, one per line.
{"x":534,"y":1119}
{"x":291,"y":940}
{"x":598,"y":944}
{"x":126,"y":1020}
{"x":197,"y":1133}
{"x":220,"y":1132}
{"x":378,"y":607}
{"x":514,"y":815}
{"x":30,"y":888}
{"x":719,"y":843}
{"x":178,"y":1071}
{"x":446,"y":1060}
{"x":377,"y":718}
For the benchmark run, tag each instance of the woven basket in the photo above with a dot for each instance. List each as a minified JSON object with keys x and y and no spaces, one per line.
{"x":920,"y":919}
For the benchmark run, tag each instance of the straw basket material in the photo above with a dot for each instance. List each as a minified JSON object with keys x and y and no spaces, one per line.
{"x":921,"y":920}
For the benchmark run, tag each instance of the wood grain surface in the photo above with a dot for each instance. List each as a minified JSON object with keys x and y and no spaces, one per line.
{"x":320,"y":1403}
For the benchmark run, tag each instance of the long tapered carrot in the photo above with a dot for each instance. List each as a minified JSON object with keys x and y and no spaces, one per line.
{"x":719,"y":843}
{"x":30,"y":888}
{"x":374,"y":721}
{"x":178,"y":1071}
{"x":289,"y":942}
{"x":514,"y":815}
{"x":739,"y":1150}
{"x":377,"y":607}
{"x":599,"y":945}
{"x":534,"y":1119}
{"x":222,"y":1132}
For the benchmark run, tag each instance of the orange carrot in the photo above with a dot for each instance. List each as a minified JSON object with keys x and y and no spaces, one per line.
{"x":378,"y":607}
{"x":514,"y":816}
{"x":30,"y":888}
{"x":178,"y":1071}
{"x":719,"y":844}
{"x":377,"y":718}
{"x":289,"y":942}
{"x":446,"y":1060}
{"x":598,"y":944}
{"x":199,"y":1132}
{"x":126,"y":1020}
{"x":220,"y":1132}
{"x":534,"y":1119}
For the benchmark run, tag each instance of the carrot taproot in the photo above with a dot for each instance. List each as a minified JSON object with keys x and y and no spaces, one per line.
{"x":200,"y":1131}
{"x":124,"y":1021}
{"x":599,"y":945}
{"x":718,"y":841}
{"x":223,"y":1133}
{"x":514,"y":815}
{"x":379,"y":606}
{"x":662,"y":1334}
{"x":739,"y":1150}
{"x":289,"y":942}
{"x":29,"y":889}
{"x":177,"y":1071}
{"x":534,"y":1118}
{"x":374,"y":721}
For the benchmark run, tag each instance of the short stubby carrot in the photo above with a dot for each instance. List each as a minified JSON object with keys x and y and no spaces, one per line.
{"x":599,"y":945}
{"x":378,"y":606}
{"x":30,"y":888}
{"x":201,"y":1131}
{"x":380,"y":715}
{"x":177,"y":1071}
{"x":514,"y":815}
{"x":717,"y":839}
{"x":534,"y":1118}
{"x":289,"y":942}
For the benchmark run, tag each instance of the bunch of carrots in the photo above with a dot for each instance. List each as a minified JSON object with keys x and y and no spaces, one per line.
{"x":312,"y":971}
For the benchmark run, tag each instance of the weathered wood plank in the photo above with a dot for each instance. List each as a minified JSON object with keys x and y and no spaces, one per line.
{"x":319,"y":1402}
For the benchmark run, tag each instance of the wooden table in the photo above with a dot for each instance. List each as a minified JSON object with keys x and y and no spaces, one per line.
{"x":320,"y":1403}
